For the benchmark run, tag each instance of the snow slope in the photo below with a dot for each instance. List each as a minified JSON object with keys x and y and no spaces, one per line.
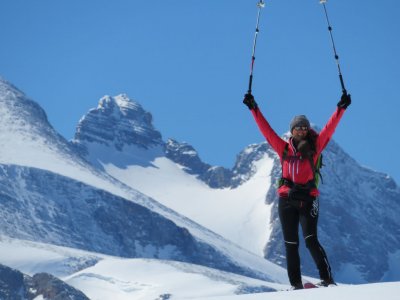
{"x":377,"y":291}
{"x":103,"y":277}
{"x":27,"y":139}
{"x":239,"y":214}
{"x":106,"y":277}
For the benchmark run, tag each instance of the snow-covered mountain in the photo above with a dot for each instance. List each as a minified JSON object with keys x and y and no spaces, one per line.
{"x":358,"y":223}
{"x":118,"y":122}
{"x":50,"y":194}
{"x":118,"y":189}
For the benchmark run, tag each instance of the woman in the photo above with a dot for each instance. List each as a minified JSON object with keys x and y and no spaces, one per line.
{"x":298,"y":193}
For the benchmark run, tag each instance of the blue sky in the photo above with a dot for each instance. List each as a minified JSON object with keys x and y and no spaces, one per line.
{"x":187,"y":62}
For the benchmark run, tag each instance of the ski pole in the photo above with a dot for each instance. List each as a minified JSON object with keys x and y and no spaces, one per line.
{"x":260,"y":5}
{"x":334,"y":47}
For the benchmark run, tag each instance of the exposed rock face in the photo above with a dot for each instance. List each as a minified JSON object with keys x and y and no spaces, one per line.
{"x":16,"y":286}
{"x":118,"y":122}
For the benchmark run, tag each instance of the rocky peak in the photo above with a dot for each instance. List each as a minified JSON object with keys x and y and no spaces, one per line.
{"x":185,"y":155}
{"x":19,"y":113}
{"x":118,"y":121}
{"x":18,"y":286}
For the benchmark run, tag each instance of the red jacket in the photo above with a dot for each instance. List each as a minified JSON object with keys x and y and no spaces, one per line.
{"x":295,"y":168}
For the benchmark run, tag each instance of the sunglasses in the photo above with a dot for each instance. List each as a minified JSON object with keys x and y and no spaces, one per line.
{"x":303,"y":128}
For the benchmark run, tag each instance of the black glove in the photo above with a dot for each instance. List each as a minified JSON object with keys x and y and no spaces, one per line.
{"x":249,"y":101}
{"x":345,"y":100}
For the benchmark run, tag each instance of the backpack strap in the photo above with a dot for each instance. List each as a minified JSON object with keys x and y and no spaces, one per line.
{"x":281,"y":181}
{"x":285,"y":152}
{"x":316,"y":169}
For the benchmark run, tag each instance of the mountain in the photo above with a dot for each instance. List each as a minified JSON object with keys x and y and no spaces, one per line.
{"x":117,"y":122}
{"x":119,"y":189}
{"x":15,"y":285}
{"x":241,"y":204}
{"x":358,"y":224}
{"x":49,"y":193}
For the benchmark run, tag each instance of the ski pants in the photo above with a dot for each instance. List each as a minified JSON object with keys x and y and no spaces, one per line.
{"x":291,"y":215}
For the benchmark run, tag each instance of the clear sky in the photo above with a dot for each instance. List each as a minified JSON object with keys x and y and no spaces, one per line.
{"x":187,"y":62}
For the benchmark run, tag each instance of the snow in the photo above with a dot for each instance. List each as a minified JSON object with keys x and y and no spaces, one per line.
{"x":165,"y":181}
{"x":107,"y":277}
{"x":19,"y":146}
{"x":377,"y":291}
{"x":27,"y":140}
{"x":149,"y":279}
{"x":32,"y":257}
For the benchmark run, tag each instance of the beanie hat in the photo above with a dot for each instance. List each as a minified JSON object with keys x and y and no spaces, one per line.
{"x":299,"y":121}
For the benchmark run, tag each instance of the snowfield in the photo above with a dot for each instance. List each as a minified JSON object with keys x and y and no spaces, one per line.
{"x":216,"y":209}
{"x":375,"y":291}
{"x":103,"y":277}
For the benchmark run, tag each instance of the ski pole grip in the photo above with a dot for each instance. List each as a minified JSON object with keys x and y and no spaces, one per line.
{"x":250,"y":84}
{"x":342,"y":84}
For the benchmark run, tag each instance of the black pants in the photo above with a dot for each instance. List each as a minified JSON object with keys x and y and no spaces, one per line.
{"x":291,"y":214}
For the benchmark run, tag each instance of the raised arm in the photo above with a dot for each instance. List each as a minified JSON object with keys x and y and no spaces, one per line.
{"x":326,"y":133}
{"x":270,"y":135}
